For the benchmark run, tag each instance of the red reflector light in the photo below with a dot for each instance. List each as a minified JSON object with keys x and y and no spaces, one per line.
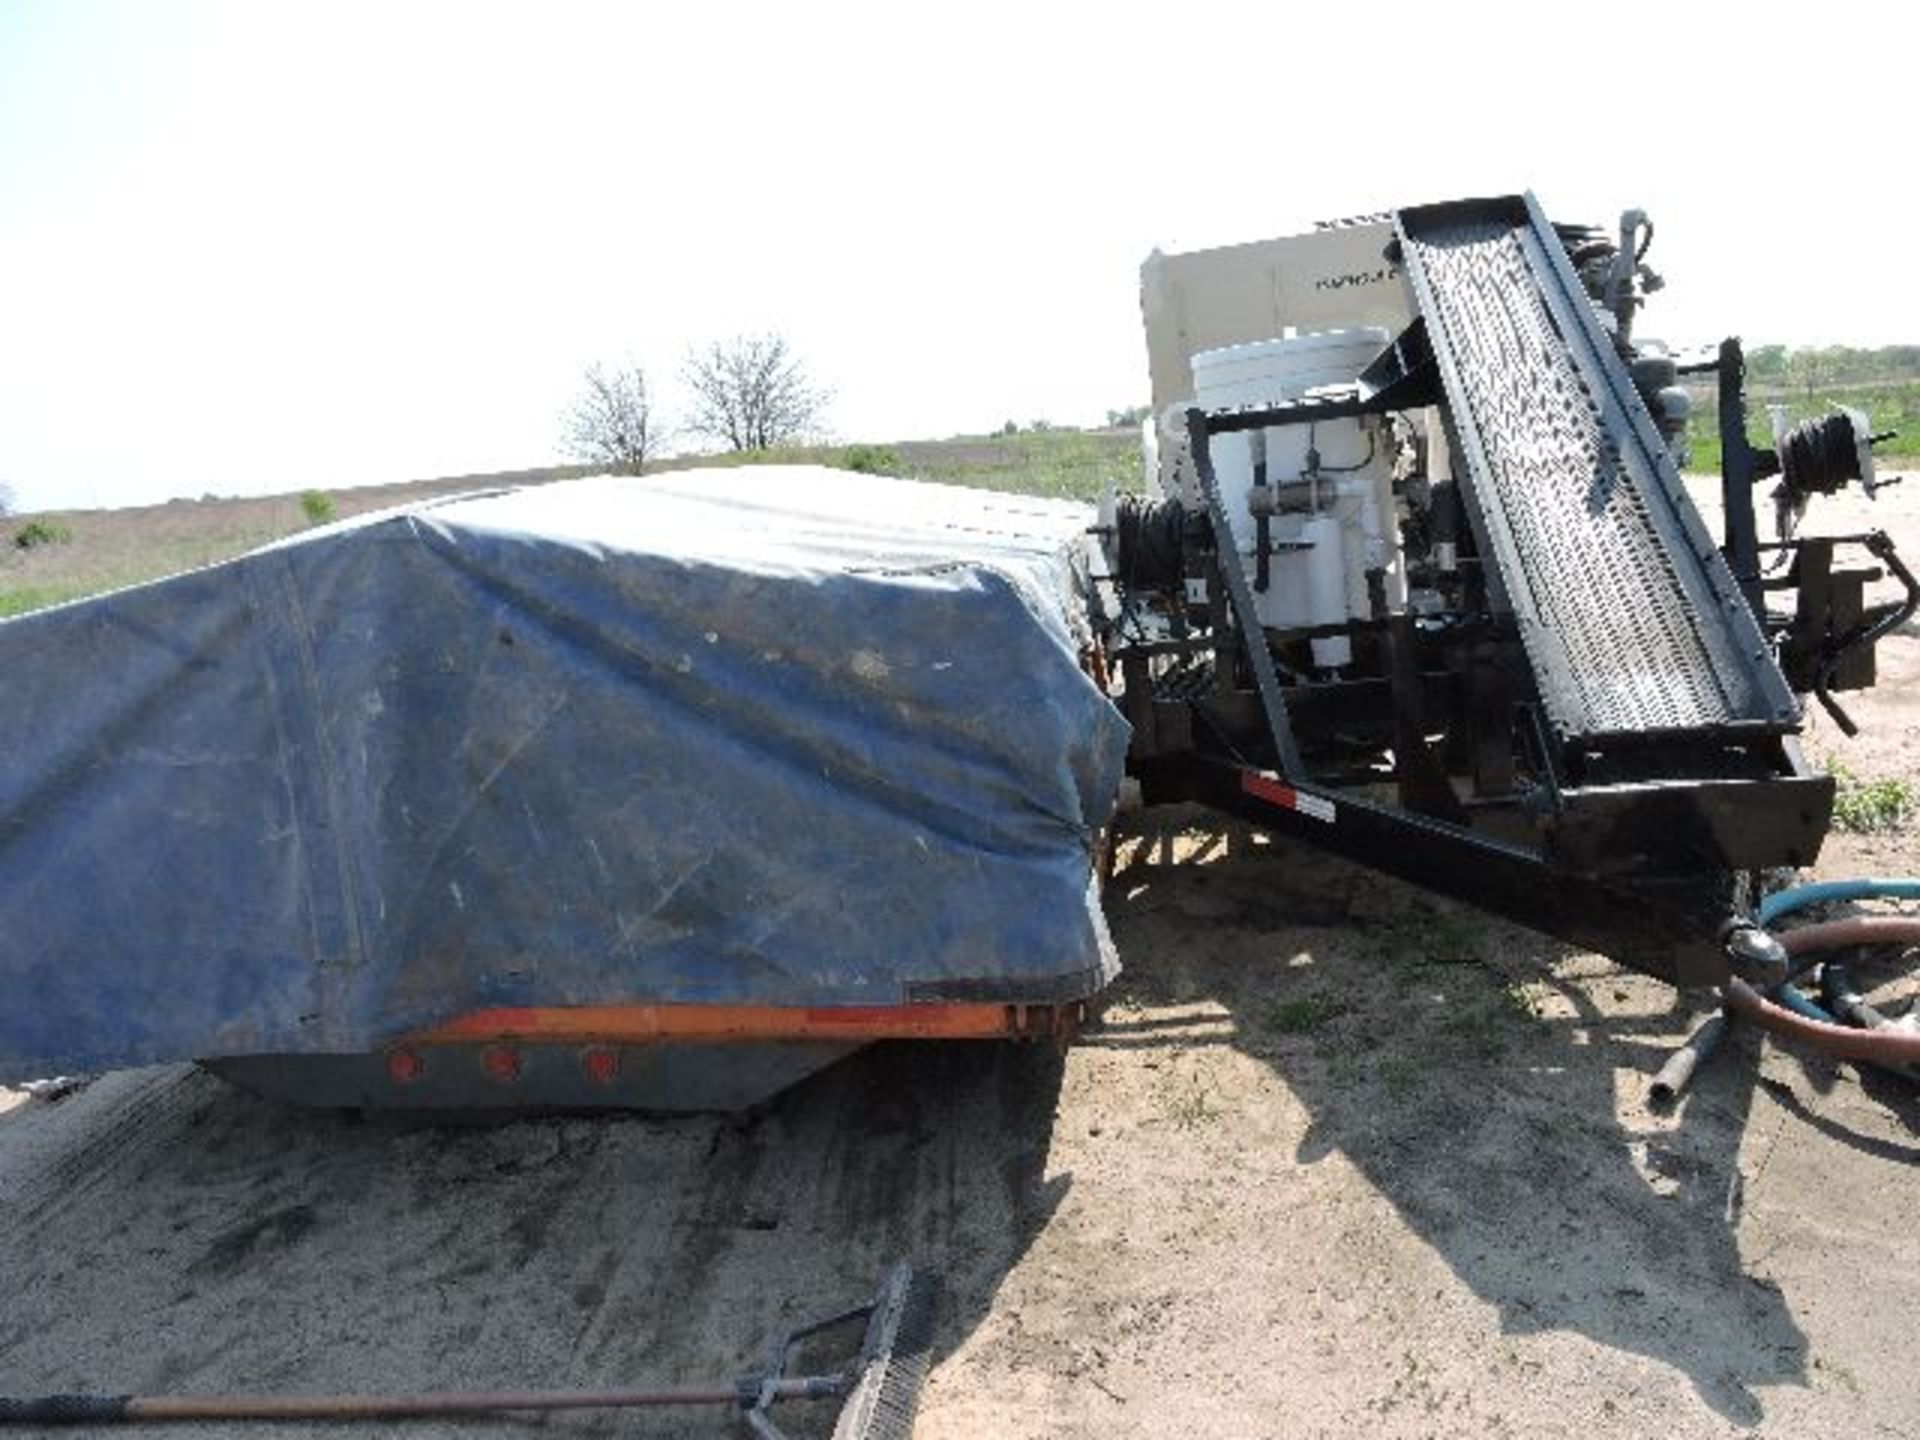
{"x":403,"y":1066}
{"x":603,"y":1065}
{"x":501,"y":1062}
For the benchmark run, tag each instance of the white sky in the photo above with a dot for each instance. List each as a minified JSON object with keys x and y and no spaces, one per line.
{"x":260,"y":247}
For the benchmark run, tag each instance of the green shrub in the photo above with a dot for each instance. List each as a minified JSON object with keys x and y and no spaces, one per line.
{"x":1867,"y":806}
{"x":317,"y":505}
{"x":870,"y":459}
{"x":36,"y":533}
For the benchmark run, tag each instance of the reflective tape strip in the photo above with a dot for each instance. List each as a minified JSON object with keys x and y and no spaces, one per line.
{"x":1265,"y":787}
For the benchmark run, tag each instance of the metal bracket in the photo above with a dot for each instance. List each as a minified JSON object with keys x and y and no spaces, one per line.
{"x":1227,"y":556}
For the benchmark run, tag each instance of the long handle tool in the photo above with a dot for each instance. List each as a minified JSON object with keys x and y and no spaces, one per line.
{"x":879,"y":1389}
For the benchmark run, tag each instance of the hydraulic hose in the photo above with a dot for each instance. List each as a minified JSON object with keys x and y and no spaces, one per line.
{"x":1843,"y":1042}
{"x":1148,"y":536}
{"x":1844,"y":1000}
{"x":1820,"y":456}
{"x":1788,"y":997}
{"x":1789,"y":1013}
{"x":1854,"y":930}
{"x":1820,"y":892}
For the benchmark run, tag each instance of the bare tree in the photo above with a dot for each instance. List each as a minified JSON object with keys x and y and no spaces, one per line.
{"x":612,"y":423}
{"x":1810,"y":369}
{"x":751,"y":393}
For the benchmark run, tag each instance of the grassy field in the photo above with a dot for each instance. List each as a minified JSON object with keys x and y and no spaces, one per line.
{"x":90,"y":551}
{"x":1069,"y":464}
{"x":83,"y":552}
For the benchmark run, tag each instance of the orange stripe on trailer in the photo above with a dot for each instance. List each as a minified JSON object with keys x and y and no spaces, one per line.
{"x":1301,"y":802}
{"x":1271,"y":791}
{"x":630,"y":1023}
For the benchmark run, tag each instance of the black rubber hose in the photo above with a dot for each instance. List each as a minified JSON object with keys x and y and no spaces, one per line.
{"x":1148,"y":533}
{"x":1820,"y":456}
{"x":1646,"y":241}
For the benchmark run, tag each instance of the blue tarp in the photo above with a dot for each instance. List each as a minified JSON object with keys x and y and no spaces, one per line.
{"x":773,"y":735}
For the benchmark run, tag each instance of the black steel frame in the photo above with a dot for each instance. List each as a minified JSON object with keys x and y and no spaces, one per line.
{"x":1578,"y":882}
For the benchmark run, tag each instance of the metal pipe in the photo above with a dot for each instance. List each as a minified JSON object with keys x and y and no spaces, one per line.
{"x":397,"y":1407}
{"x":1684,"y":1063}
{"x":1240,"y":602}
{"x":1737,"y":479}
{"x":124,"y":1409}
{"x":1262,"y":511}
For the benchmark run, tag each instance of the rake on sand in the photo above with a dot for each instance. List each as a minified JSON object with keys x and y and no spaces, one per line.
{"x":879,"y":1388}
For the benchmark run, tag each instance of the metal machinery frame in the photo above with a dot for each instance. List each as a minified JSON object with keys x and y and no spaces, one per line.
{"x":1518,"y":746}
{"x":1581,"y":715}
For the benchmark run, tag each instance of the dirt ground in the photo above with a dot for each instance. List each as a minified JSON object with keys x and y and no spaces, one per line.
{"x":1340,"y":1158}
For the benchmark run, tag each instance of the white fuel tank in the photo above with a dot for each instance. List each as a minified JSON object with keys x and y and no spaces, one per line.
{"x":1330,"y":498}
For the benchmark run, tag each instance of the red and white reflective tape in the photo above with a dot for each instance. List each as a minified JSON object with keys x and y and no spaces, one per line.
{"x":1264,"y":787}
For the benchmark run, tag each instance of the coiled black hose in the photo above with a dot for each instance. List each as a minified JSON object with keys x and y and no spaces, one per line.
{"x":1820,"y":456}
{"x":1148,"y":534}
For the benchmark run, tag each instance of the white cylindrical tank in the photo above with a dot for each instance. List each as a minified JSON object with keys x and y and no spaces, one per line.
{"x":1327,"y":602}
{"x":1282,"y":369}
{"x":1349,"y":524}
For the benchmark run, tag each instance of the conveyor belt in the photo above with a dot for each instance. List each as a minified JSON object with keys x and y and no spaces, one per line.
{"x":1629,"y":615}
